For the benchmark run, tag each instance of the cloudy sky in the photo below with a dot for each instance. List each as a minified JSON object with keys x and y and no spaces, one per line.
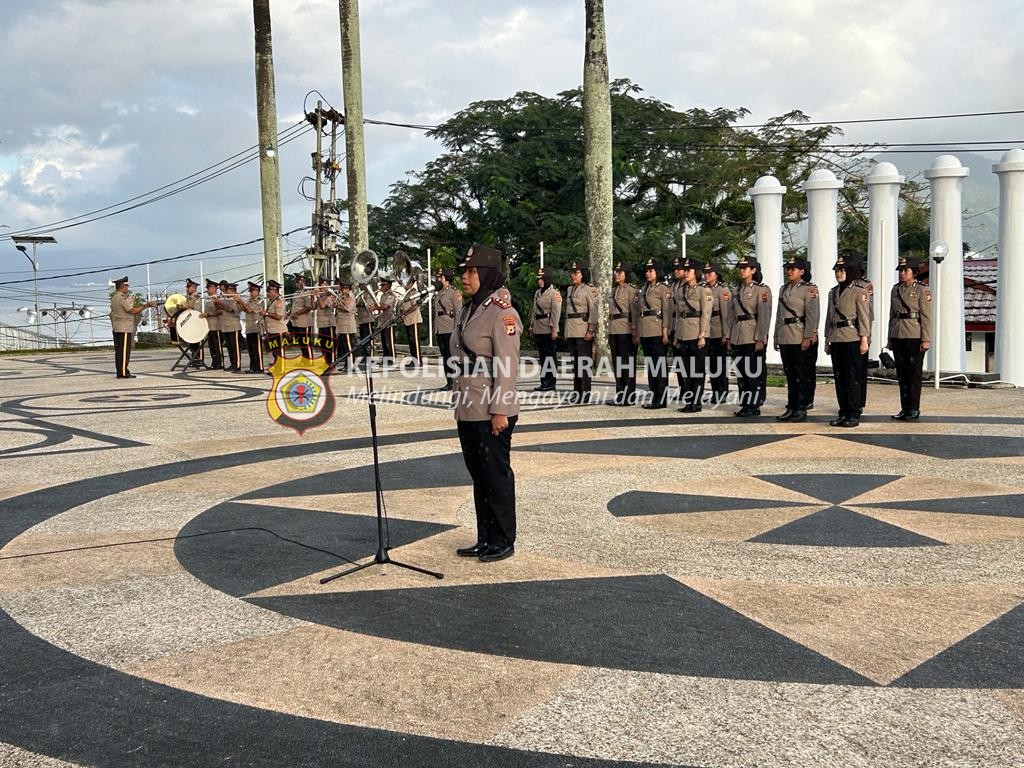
{"x":102,"y":100}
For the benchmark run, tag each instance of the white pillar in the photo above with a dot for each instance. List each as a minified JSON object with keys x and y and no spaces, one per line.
{"x":883,"y":244}
{"x":767,"y":196}
{"x":822,"y":188}
{"x":1010,"y":314}
{"x":946,"y":177}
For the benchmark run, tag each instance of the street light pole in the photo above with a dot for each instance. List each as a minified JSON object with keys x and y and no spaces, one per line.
{"x":20,"y":242}
{"x":938,"y":253}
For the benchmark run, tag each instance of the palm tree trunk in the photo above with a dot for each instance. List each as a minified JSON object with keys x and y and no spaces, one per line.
{"x":266,"y":119}
{"x":352,"y":92}
{"x":597,"y":164}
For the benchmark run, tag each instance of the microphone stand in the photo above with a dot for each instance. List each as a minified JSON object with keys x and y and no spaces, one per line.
{"x":383,"y":544}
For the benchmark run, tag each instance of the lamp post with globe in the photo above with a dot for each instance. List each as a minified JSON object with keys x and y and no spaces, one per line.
{"x":939,"y":250}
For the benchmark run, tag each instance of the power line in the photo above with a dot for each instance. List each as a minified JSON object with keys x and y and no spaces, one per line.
{"x":152,"y":261}
{"x":235,"y":161}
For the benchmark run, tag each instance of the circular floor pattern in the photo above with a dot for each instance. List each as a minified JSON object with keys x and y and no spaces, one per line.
{"x":643,"y":623}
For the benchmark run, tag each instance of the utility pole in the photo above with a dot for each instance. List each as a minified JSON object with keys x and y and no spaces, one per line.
{"x":352,"y":93}
{"x":266,"y":118}
{"x":326,"y":220}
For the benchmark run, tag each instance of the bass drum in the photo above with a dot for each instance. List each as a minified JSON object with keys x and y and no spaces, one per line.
{"x":192,"y":326}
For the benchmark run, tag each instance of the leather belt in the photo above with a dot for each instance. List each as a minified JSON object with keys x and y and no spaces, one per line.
{"x":544,"y":316}
{"x":745,"y":317}
{"x":842,"y":324}
{"x":791,"y":320}
{"x":575,"y":315}
{"x":690,"y":314}
{"x":618,"y":316}
{"x":715,"y":312}
{"x":908,"y":315}
{"x":651,"y":313}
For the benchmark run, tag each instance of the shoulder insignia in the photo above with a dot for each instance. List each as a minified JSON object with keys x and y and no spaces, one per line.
{"x":764,"y":297}
{"x":510,"y":324}
{"x":725,"y":295}
{"x":864,"y":296}
{"x":558,"y":297}
{"x":812,"y":291}
{"x":928,"y":295}
{"x":500,"y":303}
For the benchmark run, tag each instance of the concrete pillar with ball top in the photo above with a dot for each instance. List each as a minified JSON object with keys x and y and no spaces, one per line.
{"x":767,"y":195}
{"x":822,"y":189}
{"x":1010,"y":313}
{"x":883,"y":185}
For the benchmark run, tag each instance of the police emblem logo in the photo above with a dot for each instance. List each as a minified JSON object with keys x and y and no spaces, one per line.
{"x":300,"y":397}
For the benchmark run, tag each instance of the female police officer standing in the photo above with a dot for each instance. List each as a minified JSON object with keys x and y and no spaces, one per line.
{"x":485,"y":346}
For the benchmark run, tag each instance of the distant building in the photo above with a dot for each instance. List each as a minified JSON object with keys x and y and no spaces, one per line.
{"x":980,"y":282}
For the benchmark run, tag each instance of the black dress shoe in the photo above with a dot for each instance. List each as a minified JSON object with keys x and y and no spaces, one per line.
{"x":653,"y":406}
{"x":234,"y":369}
{"x":911,"y":415}
{"x":542,"y":388}
{"x":809,"y":407}
{"x":785,"y":415}
{"x":837,"y":421}
{"x":899,"y":416}
{"x":748,"y":412}
{"x":797,"y":416}
{"x":850,"y":421}
{"x":130,"y":376}
{"x":475,"y":551}
{"x":690,"y":408}
{"x":493,"y":554}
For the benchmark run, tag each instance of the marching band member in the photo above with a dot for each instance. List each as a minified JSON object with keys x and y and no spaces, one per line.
{"x":325,"y":304}
{"x":447,"y":305}
{"x":345,"y":322}
{"x":124,"y":317}
{"x":254,"y":326}
{"x":274,"y":317}
{"x":231,"y":326}
{"x":385,"y":315}
{"x":212,"y":313}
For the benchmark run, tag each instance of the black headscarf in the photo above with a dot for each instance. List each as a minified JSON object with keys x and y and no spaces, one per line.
{"x":491,"y":279}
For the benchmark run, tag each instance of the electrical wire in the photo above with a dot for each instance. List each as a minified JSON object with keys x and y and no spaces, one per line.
{"x":288,"y":134}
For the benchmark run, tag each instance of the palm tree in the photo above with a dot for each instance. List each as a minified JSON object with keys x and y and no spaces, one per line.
{"x":352,"y":92}
{"x":266,"y":119}
{"x":597,"y":163}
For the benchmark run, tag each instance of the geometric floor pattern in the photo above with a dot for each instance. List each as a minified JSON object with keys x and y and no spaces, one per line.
{"x":709,"y":592}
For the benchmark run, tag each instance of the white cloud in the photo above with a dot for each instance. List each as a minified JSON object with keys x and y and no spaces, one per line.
{"x":62,"y":159}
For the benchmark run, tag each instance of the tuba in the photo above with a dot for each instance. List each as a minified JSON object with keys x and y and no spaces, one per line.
{"x":364,"y":266}
{"x":407,"y":272}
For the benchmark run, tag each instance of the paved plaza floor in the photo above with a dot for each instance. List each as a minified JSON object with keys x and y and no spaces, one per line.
{"x":687,"y":590}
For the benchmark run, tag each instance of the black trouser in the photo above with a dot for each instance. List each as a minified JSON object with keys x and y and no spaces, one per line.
{"x":799,"y":392}
{"x":304,"y":336}
{"x":344,"y":342}
{"x":692,"y":362}
{"x":718,"y":369}
{"x":255,"y":349}
{"x":487,"y":458}
{"x":810,"y":363}
{"x":328,"y":342}
{"x":122,"y":353}
{"x":751,"y":374}
{"x":547,"y":350}
{"x":387,"y":343}
{"x":582,"y":363}
{"x":847,"y":370}
{"x":233,"y":341}
{"x":365,"y":329}
{"x":444,"y":344}
{"x":216,"y":349}
{"x":909,"y":360}
{"x":657,"y":372}
{"x":863,"y":374}
{"x":624,"y":359}
{"x":412,"y":336}
{"x":274,"y":342}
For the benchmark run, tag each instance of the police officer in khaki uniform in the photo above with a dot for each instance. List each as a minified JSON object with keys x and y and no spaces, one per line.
{"x":275,"y":317}
{"x":254,"y":326}
{"x":693,"y":306}
{"x":547,"y":313}
{"x":366,"y":305}
{"x":412,"y":319}
{"x":717,"y":357}
{"x":847,"y":329}
{"x":447,"y":305}
{"x":623,"y":324}
{"x":192,"y":301}
{"x":486,"y":345}
{"x":231,"y":326}
{"x":345,"y":322}
{"x":796,"y":332}
{"x":910,"y":335}
{"x":865,"y":285}
{"x":655,"y":316}
{"x":212,"y":312}
{"x":750,"y":320}
{"x":300,"y":318}
{"x":385,"y":312}
{"x":124,"y":317}
{"x":580,"y":327}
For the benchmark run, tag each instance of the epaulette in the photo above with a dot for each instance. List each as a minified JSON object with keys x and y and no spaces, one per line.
{"x":500,"y":302}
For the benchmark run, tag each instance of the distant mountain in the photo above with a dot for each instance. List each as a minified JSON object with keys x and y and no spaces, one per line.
{"x":981,"y":191}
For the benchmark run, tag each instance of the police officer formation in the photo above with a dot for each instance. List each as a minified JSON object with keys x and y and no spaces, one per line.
{"x":692,"y":324}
